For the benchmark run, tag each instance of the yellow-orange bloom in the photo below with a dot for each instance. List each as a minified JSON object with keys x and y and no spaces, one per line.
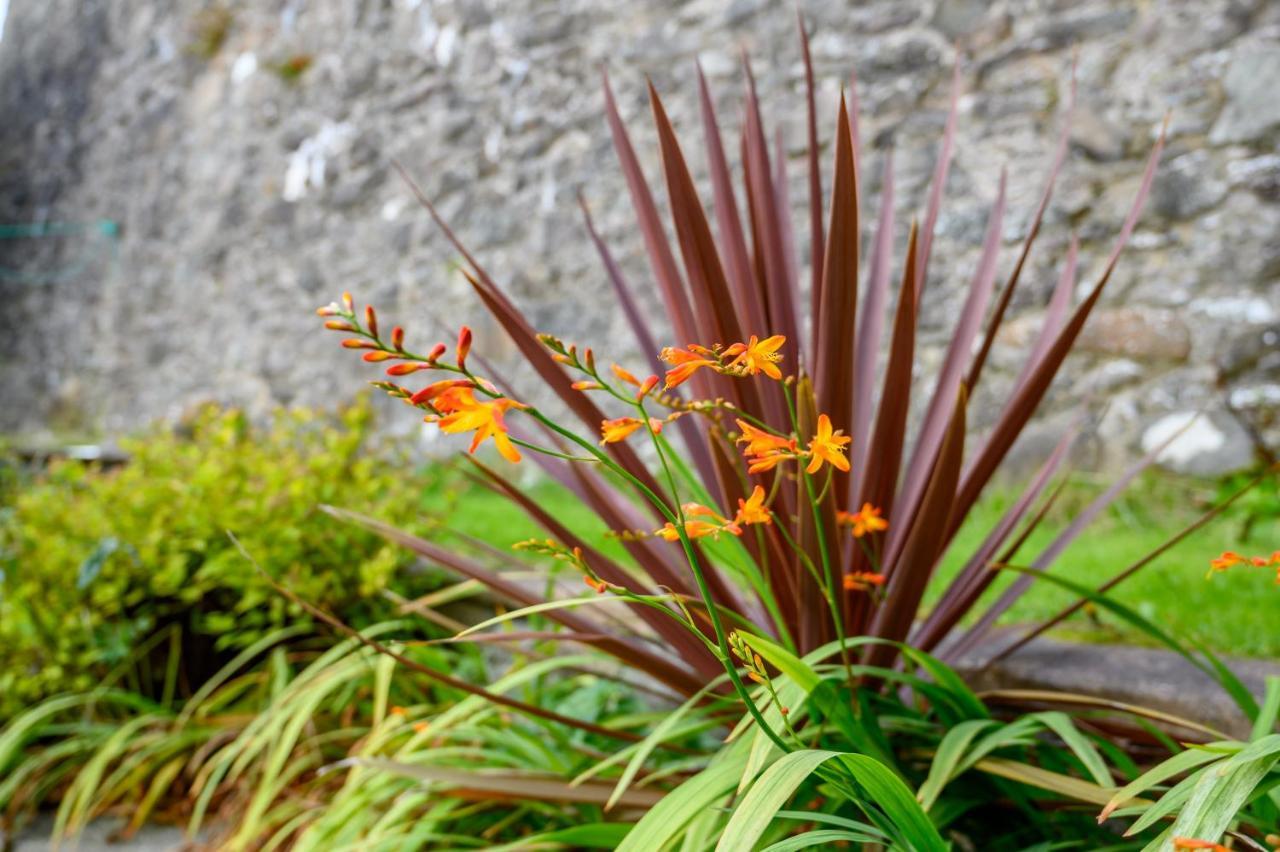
{"x":686,"y":363}
{"x":827,"y":446}
{"x":862,"y":581}
{"x":867,"y":520}
{"x":758,"y":356}
{"x":753,"y":510}
{"x":464,"y":413}
{"x":618,"y":429}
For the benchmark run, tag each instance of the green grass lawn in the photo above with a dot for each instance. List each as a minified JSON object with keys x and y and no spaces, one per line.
{"x":1237,"y":612}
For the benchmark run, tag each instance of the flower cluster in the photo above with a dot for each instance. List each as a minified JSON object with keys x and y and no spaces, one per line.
{"x":1230,"y":559}
{"x":701,"y":522}
{"x":450,"y":403}
{"x":462,"y":402}
{"x":750,"y":659}
{"x":765,"y":450}
{"x":571,"y":555}
{"x":741,"y":359}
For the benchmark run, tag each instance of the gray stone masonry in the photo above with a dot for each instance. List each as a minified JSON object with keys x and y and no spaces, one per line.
{"x":242,"y":149}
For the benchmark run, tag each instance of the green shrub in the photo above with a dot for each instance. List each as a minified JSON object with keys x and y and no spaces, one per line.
{"x":109,"y":572}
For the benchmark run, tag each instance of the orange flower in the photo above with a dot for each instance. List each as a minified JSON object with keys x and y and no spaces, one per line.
{"x":434,"y":390}
{"x":697,"y":529}
{"x":752,"y":510}
{"x":618,"y":429}
{"x":463,"y":413}
{"x":827,"y":446}
{"x":758,"y":356}
{"x":1228,"y":559}
{"x":867,"y":520}
{"x":764,"y":449}
{"x":686,"y":364}
{"x":759,"y":442}
{"x":862,"y":581}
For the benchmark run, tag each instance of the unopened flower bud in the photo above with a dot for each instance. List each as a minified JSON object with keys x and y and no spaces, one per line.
{"x":625,"y":376}
{"x":357,"y":343}
{"x":340,"y":325}
{"x":436,"y":352}
{"x":464,"y":346}
{"x":378,"y":356}
{"x":397,"y":337}
{"x":406,"y":369}
{"x":329,"y":310}
{"x":348,"y":303}
{"x":371,"y":320}
{"x":589,"y":358}
{"x":649,"y":384}
{"x":586,"y":386}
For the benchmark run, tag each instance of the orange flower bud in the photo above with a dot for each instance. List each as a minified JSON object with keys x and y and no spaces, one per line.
{"x":397,"y":337}
{"x":406,"y":369}
{"x":347,"y":302}
{"x":436,"y":352}
{"x":649,"y":384}
{"x":330,"y":310}
{"x":625,"y":376}
{"x":371,"y":320}
{"x":340,"y":325}
{"x":464,"y":346}
{"x":586,"y":386}
{"x":434,"y":389}
{"x":357,"y":343}
{"x":378,"y":356}
{"x":589,"y":358}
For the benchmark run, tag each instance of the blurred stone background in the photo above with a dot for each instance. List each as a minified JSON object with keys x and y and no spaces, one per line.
{"x":184,"y":182}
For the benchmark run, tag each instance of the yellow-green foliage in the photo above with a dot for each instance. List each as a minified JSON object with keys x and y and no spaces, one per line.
{"x":98,"y":562}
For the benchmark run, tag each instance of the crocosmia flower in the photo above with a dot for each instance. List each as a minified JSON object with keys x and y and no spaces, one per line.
{"x":827,"y":447}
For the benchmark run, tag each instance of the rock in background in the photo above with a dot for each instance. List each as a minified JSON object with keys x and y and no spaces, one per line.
{"x":192,"y":179}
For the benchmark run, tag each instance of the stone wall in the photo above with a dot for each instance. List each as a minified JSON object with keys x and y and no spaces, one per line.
{"x":208,"y":173}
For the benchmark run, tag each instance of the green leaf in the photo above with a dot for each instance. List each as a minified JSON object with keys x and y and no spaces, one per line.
{"x":821,"y":838}
{"x":946,"y":759}
{"x":1176,"y":765}
{"x":594,"y":835}
{"x":667,"y":819}
{"x":1080,"y":745}
{"x":1224,"y":789}
{"x":784,"y":661}
{"x":779,"y":782}
{"x":660,"y":732}
{"x":1265,"y":722}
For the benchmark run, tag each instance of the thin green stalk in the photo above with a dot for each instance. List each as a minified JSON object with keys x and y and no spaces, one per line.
{"x":827,"y":568}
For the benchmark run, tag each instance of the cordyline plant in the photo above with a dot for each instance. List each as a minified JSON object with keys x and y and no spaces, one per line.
{"x":781,"y":529}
